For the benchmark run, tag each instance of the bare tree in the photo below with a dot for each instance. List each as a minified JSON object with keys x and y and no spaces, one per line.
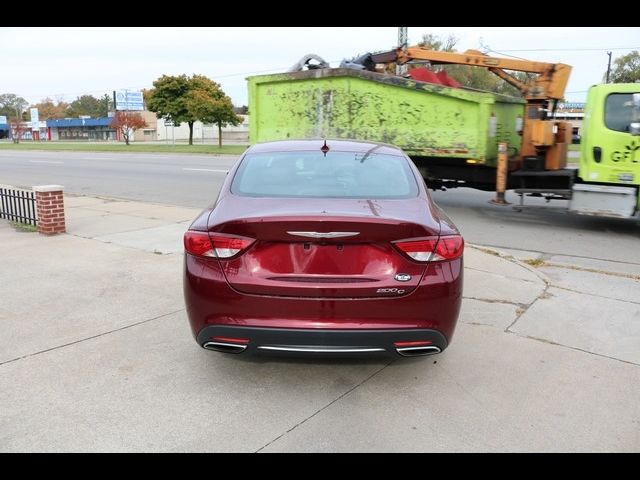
{"x":18,"y":127}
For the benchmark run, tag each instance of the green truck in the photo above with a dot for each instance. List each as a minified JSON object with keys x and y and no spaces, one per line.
{"x":452,"y":134}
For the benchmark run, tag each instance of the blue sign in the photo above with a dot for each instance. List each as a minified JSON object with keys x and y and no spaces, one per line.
{"x":126,"y":100}
{"x":571,"y":106}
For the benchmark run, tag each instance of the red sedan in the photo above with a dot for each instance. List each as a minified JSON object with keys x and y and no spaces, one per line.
{"x":324,"y":248}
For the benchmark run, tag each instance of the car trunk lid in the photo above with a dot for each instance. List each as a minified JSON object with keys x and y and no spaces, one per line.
{"x":341,"y":250}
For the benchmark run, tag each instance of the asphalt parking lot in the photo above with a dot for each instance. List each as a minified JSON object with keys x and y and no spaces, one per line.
{"x":97,"y":355}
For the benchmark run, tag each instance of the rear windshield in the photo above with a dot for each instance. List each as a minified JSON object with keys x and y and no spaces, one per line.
{"x":312,"y":174}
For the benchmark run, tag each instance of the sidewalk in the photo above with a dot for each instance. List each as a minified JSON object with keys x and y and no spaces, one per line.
{"x":145,"y":226}
{"x":96,"y":355}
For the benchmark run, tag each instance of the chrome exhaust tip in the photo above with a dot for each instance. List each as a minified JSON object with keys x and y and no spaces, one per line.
{"x":418,"y":351}
{"x":224,"y":347}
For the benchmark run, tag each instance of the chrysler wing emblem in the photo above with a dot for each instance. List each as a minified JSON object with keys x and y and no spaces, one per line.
{"x":324,"y":234}
{"x":403,"y":277}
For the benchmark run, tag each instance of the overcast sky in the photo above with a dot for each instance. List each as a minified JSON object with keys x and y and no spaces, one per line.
{"x":63,"y":63}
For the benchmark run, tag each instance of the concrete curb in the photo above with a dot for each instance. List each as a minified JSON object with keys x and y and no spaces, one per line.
{"x":512,"y":259}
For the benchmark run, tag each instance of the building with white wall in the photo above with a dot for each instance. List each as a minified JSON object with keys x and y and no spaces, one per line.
{"x":203,"y":133}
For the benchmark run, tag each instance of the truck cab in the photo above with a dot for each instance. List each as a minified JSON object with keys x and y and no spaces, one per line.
{"x":610,"y":145}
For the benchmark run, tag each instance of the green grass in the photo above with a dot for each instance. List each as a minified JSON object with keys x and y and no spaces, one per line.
{"x":121,"y":147}
{"x":23,"y":227}
{"x":534,"y":262}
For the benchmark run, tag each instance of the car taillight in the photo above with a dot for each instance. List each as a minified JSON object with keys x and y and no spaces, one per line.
{"x":419,"y":250}
{"x":448,"y":248}
{"x":432,"y":249}
{"x":215,"y":245}
{"x":198,"y":243}
{"x":226,"y":246}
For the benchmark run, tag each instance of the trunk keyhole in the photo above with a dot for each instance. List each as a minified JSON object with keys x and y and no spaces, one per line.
{"x":340,"y":247}
{"x":307,"y":246}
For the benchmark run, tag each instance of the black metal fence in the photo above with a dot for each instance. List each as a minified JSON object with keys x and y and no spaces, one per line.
{"x":18,"y":206}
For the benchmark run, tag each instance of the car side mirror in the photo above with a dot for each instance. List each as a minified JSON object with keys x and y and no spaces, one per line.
{"x":634,"y":128}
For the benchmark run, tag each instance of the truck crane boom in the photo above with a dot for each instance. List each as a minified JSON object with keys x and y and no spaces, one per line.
{"x":542,"y":138}
{"x":550,"y":83}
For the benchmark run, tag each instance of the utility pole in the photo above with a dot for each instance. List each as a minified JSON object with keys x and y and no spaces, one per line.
{"x":402,"y":43}
{"x":609,"y":66}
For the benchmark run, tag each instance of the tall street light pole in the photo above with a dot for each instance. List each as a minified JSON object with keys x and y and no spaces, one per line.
{"x":609,"y":66}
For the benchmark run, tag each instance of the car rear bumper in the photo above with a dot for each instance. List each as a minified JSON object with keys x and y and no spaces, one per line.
{"x":430,"y":311}
{"x":282,"y":341}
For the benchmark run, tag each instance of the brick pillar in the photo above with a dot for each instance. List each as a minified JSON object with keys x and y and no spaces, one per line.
{"x":50,"y":208}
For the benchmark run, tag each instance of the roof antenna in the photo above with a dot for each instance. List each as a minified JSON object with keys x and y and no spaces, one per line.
{"x":325,"y":148}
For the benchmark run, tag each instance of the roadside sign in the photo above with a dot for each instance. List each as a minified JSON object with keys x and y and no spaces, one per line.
{"x":168,"y":123}
{"x":126,"y":100}
{"x":35,"y":124}
{"x":3,"y":120}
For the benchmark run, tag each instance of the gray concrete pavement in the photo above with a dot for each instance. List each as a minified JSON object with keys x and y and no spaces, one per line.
{"x":62,"y":289}
{"x":154,"y":228}
{"x":494,"y":393}
{"x":96,"y":355}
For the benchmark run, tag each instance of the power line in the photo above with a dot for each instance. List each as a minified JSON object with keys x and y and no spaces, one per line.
{"x":275,"y":69}
{"x":87,"y":92}
{"x":215,"y":77}
{"x":568,"y":49}
{"x":251,"y":73}
{"x":506,"y":55}
{"x":53,"y":96}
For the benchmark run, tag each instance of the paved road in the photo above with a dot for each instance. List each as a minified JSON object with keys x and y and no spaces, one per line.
{"x":545,"y":228}
{"x":194,"y":180}
{"x":185,"y":180}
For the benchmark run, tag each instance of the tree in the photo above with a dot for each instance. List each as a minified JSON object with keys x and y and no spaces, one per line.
{"x":18,"y":127}
{"x":243,"y":110}
{"x":168,"y":99}
{"x":626,"y":69}
{"x":208,"y":110}
{"x":434,"y":42}
{"x":127,"y":123}
{"x":106,"y":102}
{"x":48,"y":110}
{"x":224,"y":115}
{"x":11,"y":105}
{"x":188,"y":99}
{"x":85,"y":105}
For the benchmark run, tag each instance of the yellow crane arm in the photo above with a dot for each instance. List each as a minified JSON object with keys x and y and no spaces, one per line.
{"x":549,"y":84}
{"x":540,"y":137}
